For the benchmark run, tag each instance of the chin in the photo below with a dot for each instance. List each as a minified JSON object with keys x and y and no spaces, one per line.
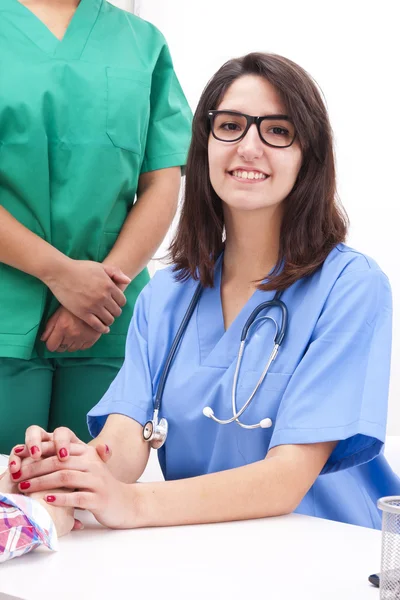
{"x":249,"y":204}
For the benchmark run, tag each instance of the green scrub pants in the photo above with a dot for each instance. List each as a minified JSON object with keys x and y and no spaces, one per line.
{"x":50,"y":392}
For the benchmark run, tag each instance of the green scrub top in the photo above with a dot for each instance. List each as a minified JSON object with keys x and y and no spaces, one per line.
{"x":80,"y":120}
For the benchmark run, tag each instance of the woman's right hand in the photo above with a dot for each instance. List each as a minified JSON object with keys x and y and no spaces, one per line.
{"x":40,"y":443}
{"x":90,"y":291}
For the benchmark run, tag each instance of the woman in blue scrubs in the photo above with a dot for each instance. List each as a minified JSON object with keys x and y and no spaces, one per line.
{"x":260,"y":214}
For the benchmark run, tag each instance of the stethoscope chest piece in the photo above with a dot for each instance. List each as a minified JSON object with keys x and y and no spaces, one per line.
{"x":155,"y":432}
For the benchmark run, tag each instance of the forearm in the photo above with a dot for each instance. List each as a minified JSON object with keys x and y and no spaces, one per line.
{"x":261,"y":489}
{"x":147,"y":223}
{"x":129,"y":452}
{"x":24,"y":250}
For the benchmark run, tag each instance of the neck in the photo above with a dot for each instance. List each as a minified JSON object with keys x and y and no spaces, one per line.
{"x":252,"y":243}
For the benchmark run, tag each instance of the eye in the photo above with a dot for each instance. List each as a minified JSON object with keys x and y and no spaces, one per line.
{"x":281,"y":131}
{"x":230,"y":126}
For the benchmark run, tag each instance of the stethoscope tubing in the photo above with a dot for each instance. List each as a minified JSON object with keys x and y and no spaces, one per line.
{"x":278,"y":339}
{"x":178,"y":338}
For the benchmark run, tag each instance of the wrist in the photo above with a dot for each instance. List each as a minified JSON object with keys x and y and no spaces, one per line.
{"x":51,"y":270}
{"x":144,"y":503}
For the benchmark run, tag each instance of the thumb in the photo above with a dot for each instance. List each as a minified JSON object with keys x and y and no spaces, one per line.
{"x":78,"y":525}
{"x":104,"y":452}
{"x":116,"y":274}
{"x":51,"y":323}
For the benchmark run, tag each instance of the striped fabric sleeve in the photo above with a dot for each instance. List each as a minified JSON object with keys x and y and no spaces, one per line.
{"x":24,"y":525}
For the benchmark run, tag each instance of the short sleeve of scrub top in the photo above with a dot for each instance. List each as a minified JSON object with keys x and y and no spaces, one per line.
{"x":339,"y":389}
{"x":168,"y":107}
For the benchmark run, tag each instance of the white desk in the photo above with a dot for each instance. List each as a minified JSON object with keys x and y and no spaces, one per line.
{"x":285,"y":558}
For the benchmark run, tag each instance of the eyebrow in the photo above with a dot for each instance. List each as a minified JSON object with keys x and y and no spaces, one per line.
{"x":273,"y":116}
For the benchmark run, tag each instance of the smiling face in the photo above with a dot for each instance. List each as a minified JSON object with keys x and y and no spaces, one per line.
{"x":249,"y":174}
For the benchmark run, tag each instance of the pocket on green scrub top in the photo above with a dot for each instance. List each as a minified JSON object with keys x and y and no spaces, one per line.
{"x":128,"y":108}
{"x":21,"y":301}
{"x":265,"y":405}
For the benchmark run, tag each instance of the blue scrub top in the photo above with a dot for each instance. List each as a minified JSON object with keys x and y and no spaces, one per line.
{"x":329,"y":381}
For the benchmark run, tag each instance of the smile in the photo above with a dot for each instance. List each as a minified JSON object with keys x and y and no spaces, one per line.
{"x":248,"y":176}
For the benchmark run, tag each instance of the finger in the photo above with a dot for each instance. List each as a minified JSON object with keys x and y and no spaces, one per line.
{"x":55,"y":339}
{"x":103,"y":450}
{"x":66,"y":478}
{"x":18,"y":467}
{"x":116,"y":274}
{"x":78,"y":525}
{"x":63,"y":437}
{"x":73,"y":348}
{"x":34,"y":471}
{"x":34,"y":437}
{"x":49,"y":449}
{"x":113,"y":308}
{"x":48,"y":330}
{"x":105,"y":316}
{"x":95,"y":323}
{"x":23,"y":458}
{"x":83,"y":500}
{"x":121,"y":279}
{"x":16,"y":456}
{"x":63,"y":347}
{"x":118,"y":296}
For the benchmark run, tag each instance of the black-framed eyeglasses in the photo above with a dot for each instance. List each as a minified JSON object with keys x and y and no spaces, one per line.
{"x":230,"y":126}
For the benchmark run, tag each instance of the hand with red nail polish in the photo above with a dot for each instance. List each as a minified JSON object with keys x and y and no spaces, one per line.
{"x":63,"y":518}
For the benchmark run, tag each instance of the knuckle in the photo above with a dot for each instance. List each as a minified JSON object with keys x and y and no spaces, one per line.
{"x":80,"y":500}
{"x":55,"y":463}
{"x":62,"y":432}
{"x":65,"y":477}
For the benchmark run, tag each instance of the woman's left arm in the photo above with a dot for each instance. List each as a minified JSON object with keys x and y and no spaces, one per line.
{"x":267,"y":488}
{"x":148,"y":221}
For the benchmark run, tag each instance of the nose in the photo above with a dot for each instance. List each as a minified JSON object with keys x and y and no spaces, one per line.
{"x":251,"y":147}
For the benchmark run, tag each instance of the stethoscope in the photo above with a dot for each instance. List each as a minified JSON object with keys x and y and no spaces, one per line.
{"x":156,"y":431}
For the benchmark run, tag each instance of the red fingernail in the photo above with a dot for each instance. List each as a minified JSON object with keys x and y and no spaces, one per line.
{"x":16,"y":475}
{"x":107,"y":449}
{"x":50,"y":498}
{"x":24,"y":485}
{"x":12,"y":463}
{"x":34,"y":449}
{"x":63,"y":453}
{"x":19,"y":449}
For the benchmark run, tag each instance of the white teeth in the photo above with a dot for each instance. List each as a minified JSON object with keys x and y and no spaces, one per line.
{"x":249,"y":175}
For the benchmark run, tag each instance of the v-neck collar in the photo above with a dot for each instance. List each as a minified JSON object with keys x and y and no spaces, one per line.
{"x":219,"y":348}
{"x":72,"y":44}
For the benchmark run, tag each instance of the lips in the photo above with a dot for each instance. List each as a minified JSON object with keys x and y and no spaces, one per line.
{"x":248,"y":175}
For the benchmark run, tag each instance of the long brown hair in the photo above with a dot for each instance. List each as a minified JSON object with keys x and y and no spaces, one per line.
{"x":314,"y":221}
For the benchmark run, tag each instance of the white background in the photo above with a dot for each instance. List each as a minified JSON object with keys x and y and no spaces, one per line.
{"x":352,"y":49}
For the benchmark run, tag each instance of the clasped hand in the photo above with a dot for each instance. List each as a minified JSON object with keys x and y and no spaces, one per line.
{"x":83,"y":471}
{"x":91,"y":291}
{"x":91,"y":295}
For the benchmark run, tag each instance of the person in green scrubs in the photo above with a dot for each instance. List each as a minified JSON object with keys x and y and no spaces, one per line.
{"x":92,"y":117}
